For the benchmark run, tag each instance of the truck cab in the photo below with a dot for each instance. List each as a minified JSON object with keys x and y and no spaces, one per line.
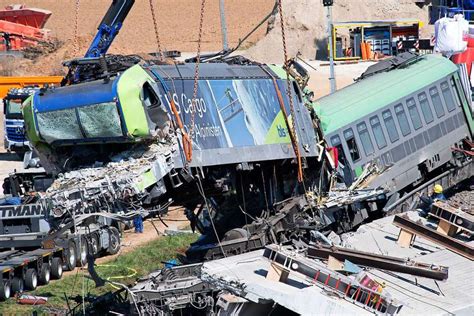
{"x":14,"y":125}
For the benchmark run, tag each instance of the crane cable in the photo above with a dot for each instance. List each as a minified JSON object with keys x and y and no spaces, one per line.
{"x":157,"y":34}
{"x":186,"y":140}
{"x":196,"y":77}
{"x":76,"y":26}
{"x":292,"y":128}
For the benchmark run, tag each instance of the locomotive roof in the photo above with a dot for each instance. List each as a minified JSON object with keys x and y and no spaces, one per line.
{"x":214,"y":71}
{"x":370,"y":94}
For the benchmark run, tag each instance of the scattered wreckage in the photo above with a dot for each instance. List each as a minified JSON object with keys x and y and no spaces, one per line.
{"x":127,"y":136}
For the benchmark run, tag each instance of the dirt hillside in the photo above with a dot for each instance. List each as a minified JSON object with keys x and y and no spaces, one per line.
{"x":306,"y":24}
{"x":178,"y":22}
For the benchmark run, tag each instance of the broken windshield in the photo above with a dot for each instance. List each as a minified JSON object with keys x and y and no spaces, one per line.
{"x":93,"y":121}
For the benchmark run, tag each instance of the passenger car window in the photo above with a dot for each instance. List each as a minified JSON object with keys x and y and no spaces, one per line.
{"x":425,"y":108}
{"x":402,"y":120}
{"x":336,"y":142}
{"x":448,"y":96}
{"x":365,"y":138}
{"x":352,"y":144}
{"x":437,"y":103}
{"x":414,"y":114}
{"x":390,"y":124}
{"x":378,"y":132}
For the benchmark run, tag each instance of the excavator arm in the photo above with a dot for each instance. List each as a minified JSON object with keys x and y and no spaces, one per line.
{"x":109,"y":27}
{"x":81,"y":69}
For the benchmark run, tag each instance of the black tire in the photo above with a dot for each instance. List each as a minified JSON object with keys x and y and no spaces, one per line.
{"x":31,"y":279}
{"x":235,"y":233}
{"x":56,"y":268}
{"x":82,"y":258}
{"x":5,"y":290}
{"x":95,"y":245}
{"x":114,"y":241}
{"x":17,"y":285}
{"x":45,"y":274}
{"x":70,"y":255}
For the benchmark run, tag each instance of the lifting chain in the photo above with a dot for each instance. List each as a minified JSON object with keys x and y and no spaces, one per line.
{"x":293,"y":135}
{"x":186,"y":140}
{"x":196,"y":74}
{"x":157,"y":34}
{"x":76,"y":27}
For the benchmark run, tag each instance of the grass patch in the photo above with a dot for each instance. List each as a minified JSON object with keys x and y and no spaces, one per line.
{"x":143,"y":260}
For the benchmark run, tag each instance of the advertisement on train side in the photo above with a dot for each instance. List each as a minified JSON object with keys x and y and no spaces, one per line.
{"x":231,"y":113}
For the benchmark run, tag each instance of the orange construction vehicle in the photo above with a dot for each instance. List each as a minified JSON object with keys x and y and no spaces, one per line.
{"x":22,"y":27}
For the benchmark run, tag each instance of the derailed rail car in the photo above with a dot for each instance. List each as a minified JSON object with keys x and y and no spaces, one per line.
{"x":242,"y":152}
{"x":405,"y":118}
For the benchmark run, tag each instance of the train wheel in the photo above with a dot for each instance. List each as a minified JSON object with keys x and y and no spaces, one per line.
{"x":31,"y":279}
{"x":70,"y":256}
{"x":45,"y":274}
{"x":17,"y":285}
{"x":114,"y":241}
{"x":57,"y":268}
{"x":82,"y":259}
{"x":5,"y":290}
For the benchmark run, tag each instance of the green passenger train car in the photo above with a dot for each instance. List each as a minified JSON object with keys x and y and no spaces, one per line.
{"x":404,"y":118}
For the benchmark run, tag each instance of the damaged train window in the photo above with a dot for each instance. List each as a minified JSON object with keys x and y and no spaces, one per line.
{"x":336,"y":142}
{"x":100,"y":120}
{"x":352,"y":144}
{"x":378,"y":132}
{"x":152,"y":104}
{"x":365,"y":139}
{"x":59,"y":125}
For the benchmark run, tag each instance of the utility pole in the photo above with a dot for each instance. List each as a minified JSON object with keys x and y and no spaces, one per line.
{"x":225,"y":44}
{"x":332,"y":75}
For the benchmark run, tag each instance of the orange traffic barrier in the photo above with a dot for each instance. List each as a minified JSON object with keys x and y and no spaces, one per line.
{"x":368,"y":52}
{"x":363,"y":51}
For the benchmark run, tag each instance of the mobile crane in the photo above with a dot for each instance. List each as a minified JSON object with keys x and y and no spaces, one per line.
{"x":31,"y":256}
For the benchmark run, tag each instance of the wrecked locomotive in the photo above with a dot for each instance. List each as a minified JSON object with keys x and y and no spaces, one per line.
{"x":242,"y":160}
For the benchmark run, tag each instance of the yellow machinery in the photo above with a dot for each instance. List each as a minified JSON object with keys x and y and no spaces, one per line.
{"x":6,"y":83}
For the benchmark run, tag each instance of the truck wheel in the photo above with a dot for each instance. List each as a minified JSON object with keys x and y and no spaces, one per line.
{"x":45,"y":274}
{"x":57,"y":268}
{"x":5,"y":290}
{"x":70,"y":255}
{"x":31,"y":279}
{"x":17,"y":285}
{"x":114,"y":241}
{"x":82,"y":259}
{"x":95,"y":244}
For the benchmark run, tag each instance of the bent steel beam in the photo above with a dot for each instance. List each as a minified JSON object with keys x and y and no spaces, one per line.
{"x":367,"y":259}
{"x":449,"y":243}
